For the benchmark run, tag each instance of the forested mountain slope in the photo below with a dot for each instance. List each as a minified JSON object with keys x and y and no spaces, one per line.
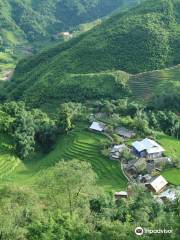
{"x":36,"y":19}
{"x":142,"y":39}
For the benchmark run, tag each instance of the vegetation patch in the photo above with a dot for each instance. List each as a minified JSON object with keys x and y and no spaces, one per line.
{"x":145,"y":86}
{"x":171,"y":144}
{"x":172,"y":176}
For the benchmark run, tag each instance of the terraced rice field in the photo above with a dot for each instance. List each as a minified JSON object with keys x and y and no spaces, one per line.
{"x":146,"y":85}
{"x":85,"y":146}
{"x":78,"y":144}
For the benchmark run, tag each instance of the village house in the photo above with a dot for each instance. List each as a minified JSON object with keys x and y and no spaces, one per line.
{"x":65,"y":34}
{"x":98,"y":126}
{"x":168,"y":195}
{"x":125,"y":133}
{"x":147,"y":148}
{"x":116,"y":151}
{"x":157,"y":185}
{"x":158,"y":164}
{"x":145,"y":178}
{"x":120,"y":195}
{"x":134,"y":167}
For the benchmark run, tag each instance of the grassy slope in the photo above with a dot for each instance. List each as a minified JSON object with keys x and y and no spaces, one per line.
{"x":172,"y":147}
{"x":172,"y":175}
{"x":74,"y":87}
{"x":8,"y":162}
{"x":146,"y":85}
{"x":79,"y":144}
{"x":54,"y":89}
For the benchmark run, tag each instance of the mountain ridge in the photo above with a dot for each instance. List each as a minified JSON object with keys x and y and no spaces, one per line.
{"x":35,"y":20}
{"x":139,"y":40}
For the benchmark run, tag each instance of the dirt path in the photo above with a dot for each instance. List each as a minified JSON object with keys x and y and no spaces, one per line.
{"x":7,"y":75}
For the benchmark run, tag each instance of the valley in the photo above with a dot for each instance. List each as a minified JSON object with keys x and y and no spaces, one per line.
{"x":39,"y":25}
{"x":89,"y":119}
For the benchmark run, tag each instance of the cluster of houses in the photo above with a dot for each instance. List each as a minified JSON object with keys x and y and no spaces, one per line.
{"x":148,"y":158}
{"x":159,"y":186}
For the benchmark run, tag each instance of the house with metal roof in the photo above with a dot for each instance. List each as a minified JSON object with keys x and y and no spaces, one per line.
{"x":98,"y":126}
{"x":116,"y":151}
{"x":157,"y":185}
{"x":119,"y":195}
{"x":148,"y":148}
{"x":169,"y":194}
{"x":124,"y":132}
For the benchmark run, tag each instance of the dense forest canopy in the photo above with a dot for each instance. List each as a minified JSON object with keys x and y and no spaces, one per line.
{"x":142,"y":39}
{"x":34,"y":20}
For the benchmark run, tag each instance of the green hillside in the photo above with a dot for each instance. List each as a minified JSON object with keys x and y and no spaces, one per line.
{"x":26,"y":26}
{"x":66,"y":87}
{"x":79,"y":144}
{"x":145,"y":86}
{"x":8,"y":162}
{"x":141,"y":39}
{"x":31,"y":20}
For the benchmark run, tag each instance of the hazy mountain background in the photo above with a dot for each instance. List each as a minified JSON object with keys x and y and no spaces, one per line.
{"x":30,"y":20}
{"x":145,"y":38}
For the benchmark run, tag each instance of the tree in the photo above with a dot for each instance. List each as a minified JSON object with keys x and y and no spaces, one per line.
{"x":65,"y":118}
{"x":69,"y":183}
{"x":133,"y":108}
{"x":141,"y":124}
{"x":45,"y":129}
{"x":6,"y":122}
{"x":117,"y":139}
{"x":28,"y":128}
{"x":24,"y":135}
{"x":19,"y":207}
{"x":127,"y":155}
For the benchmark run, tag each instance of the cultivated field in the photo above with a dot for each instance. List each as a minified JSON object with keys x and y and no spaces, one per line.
{"x":146,"y":85}
{"x":78,"y":144}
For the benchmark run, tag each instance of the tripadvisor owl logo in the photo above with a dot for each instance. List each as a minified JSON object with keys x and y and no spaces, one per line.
{"x":139,"y":231}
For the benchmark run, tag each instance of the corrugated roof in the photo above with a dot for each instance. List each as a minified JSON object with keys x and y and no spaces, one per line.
{"x":122,"y":193}
{"x":149,"y":145}
{"x":98,"y":126}
{"x":118,"y":148}
{"x":169,"y":194}
{"x":125,"y":132}
{"x":158,"y":183}
{"x":138,"y":146}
